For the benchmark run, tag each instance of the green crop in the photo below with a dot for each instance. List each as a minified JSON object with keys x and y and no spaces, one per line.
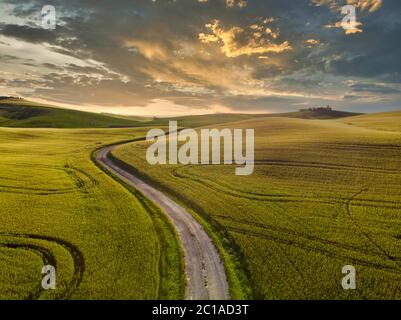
{"x":57,"y":207}
{"x":324,"y":194}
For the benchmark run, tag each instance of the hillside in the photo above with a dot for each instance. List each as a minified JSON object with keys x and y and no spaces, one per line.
{"x":128,"y":117}
{"x":21,"y":113}
{"x":25,"y":114}
{"x":323,"y":195}
{"x":207,"y":119}
{"x":213,"y":119}
{"x":318,"y":114}
{"x":387,"y":121}
{"x":57,"y":207}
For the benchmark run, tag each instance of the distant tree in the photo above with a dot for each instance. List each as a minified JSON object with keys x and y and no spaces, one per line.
{"x":317,"y":109}
{"x":8,"y":97}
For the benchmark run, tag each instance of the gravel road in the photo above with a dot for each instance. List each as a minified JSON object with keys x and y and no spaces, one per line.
{"x":206,"y":277}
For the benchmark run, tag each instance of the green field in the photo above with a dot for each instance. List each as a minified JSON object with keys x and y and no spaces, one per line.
{"x":387,"y":121}
{"x":21,"y":113}
{"x":324,"y":194}
{"x":220,"y":118}
{"x":318,"y":115}
{"x":58,"y":207}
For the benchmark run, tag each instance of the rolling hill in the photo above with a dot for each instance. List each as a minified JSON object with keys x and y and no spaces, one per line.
{"x":20,"y":113}
{"x":323,"y":195}
{"x":219,"y":118}
{"x":318,"y":114}
{"x":387,"y":121}
{"x":26,"y":114}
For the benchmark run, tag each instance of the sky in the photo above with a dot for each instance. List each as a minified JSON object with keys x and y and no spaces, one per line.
{"x":176,"y":57}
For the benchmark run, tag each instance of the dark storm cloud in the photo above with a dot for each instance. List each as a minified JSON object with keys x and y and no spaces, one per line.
{"x":130,"y":53}
{"x":34,"y":35}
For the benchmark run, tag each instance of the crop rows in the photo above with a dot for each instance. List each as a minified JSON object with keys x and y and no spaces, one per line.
{"x":323,"y":195}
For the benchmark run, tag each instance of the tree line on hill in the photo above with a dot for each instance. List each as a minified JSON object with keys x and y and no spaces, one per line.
{"x":318,"y":109}
{"x":9,"y":97}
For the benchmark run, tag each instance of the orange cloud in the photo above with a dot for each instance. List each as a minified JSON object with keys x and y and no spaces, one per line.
{"x":236,"y":3}
{"x":363,"y":5}
{"x":236,"y":41}
{"x":353,"y":28}
{"x":312,"y":41}
{"x":149,"y":50}
{"x":366,"y":5}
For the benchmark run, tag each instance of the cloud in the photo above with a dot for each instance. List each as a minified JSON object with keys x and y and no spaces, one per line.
{"x":236,"y":41}
{"x":231,"y":3}
{"x":363,"y":5}
{"x":159,"y":55}
{"x":350,"y":26}
{"x":374,"y":88}
{"x":34,"y":35}
{"x":148,"y":49}
{"x":236,"y":3}
{"x":312,"y":42}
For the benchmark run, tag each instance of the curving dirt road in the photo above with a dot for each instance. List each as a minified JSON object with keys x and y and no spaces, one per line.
{"x":206,"y":277}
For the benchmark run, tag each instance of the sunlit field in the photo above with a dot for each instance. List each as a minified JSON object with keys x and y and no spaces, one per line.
{"x":57,"y":207}
{"x":387,"y":121}
{"x":324,"y":194}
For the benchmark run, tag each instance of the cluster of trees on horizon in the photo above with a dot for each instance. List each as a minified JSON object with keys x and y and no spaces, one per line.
{"x":318,"y":109}
{"x":9,"y":97}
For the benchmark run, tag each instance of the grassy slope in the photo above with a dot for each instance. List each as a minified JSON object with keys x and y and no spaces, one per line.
{"x":202,"y":120}
{"x":323,"y":195}
{"x":320,"y":115}
{"x":57,"y":207}
{"x":26,"y":114}
{"x":388,"y":121}
{"x":135,"y":118}
{"x":215,"y":119}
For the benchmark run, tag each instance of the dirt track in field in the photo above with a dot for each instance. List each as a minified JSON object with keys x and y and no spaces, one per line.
{"x":206,"y":277}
